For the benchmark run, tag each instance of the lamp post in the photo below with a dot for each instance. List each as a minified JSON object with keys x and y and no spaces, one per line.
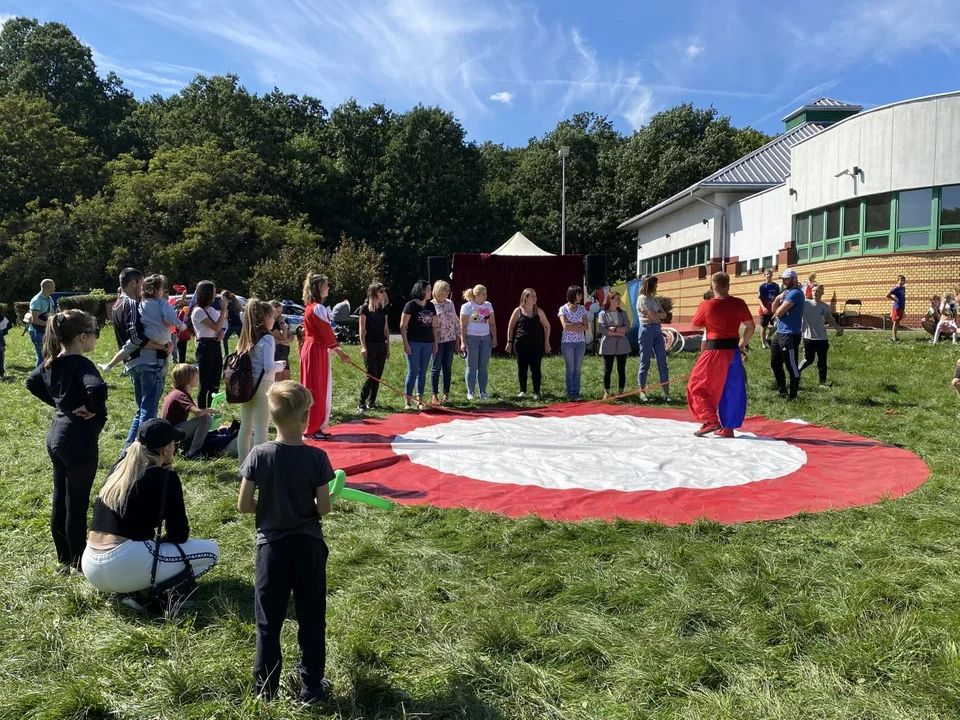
{"x":564,"y":151}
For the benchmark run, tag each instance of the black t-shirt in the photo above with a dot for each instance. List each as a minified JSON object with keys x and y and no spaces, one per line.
{"x":376,"y":319}
{"x":287,"y":478}
{"x":139,"y":518}
{"x":282,"y":350}
{"x":420,"y":328}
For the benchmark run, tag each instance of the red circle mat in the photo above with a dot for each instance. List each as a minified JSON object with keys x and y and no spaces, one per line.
{"x":841,"y":471}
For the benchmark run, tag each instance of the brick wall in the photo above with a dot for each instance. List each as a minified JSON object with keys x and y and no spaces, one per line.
{"x":867,"y":278}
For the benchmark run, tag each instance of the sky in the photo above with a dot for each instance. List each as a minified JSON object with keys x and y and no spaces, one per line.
{"x":510,"y":71}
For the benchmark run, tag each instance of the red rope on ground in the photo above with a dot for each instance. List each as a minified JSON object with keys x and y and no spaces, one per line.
{"x":401,"y":393}
{"x":638,"y":390}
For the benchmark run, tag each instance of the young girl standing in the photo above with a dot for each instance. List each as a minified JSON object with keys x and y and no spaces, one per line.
{"x":71,"y":383}
{"x":256,"y":339}
{"x":528,"y":333}
{"x":478,"y":328}
{"x":374,"y":343}
{"x":316,"y":372}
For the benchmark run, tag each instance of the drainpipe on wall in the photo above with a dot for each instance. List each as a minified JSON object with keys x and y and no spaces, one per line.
{"x":639,"y":266}
{"x":724,"y":242}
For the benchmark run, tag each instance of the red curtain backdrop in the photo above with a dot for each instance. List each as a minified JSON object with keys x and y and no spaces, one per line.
{"x":506,"y":277}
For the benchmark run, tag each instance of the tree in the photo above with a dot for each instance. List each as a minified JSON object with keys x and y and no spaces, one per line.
{"x":351,"y":269}
{"x":40,"y":159}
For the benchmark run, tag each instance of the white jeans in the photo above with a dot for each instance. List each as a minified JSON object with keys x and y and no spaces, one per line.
{"x":254,"y":420}
{"x":126,"y":568}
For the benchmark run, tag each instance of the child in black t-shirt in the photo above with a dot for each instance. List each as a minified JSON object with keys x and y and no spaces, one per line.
{"x":290,"y":481}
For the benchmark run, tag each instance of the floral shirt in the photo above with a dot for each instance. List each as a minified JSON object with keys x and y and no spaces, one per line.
{"x":449,"y":321}
{"x":574,"y":317}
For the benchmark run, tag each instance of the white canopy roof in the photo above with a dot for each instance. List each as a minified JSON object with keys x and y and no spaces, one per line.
{"x":519,"y":245}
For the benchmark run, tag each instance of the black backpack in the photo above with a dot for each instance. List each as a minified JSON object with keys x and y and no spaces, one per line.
{"x":238,"y":377}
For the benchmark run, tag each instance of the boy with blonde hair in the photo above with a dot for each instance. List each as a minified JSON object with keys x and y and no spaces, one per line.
{"x":285,"y":483}
{"x":178,"y":406}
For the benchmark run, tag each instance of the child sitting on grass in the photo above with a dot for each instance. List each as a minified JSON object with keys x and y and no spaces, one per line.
{"x":157,"y":316}
{"x":178,"y":406}
{"x":948,"y":318}
{"x":289,"y":479}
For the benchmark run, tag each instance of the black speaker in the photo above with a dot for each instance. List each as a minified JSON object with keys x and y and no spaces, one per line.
{"x":595,"y":269}
{"x":438,"y":268}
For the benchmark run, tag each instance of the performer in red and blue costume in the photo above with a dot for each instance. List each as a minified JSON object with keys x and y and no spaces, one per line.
{"x":717,"y":390}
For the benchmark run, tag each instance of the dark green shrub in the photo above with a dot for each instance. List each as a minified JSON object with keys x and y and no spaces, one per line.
{"x":97,"y":304}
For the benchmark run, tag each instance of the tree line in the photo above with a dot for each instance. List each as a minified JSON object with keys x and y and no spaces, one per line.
{"x":247,"y":189}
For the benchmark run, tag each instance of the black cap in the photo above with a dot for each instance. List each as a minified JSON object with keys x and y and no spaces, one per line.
{"x":158,"y":433}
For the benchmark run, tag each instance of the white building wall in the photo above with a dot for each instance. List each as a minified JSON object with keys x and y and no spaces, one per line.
{"x":760,"y":224}
{"x":908,"y":145}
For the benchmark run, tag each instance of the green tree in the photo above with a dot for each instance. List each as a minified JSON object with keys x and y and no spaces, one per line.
{"x":351,"y":269}
{"x":36,"y":242}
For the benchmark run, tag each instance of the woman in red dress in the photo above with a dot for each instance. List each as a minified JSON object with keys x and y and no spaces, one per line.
{"x":316,"y":372}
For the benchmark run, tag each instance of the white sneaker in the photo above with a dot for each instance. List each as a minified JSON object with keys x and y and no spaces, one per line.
{"x":521,"y":395}
{"x":469,"y":396}
{"x":536,"y":396}
{"x":483,"y":396}
{"x":667,"y":398}
{"x":643,"y":397}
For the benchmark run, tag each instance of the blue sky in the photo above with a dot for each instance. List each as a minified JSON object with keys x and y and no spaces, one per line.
{"x":512,"y":70}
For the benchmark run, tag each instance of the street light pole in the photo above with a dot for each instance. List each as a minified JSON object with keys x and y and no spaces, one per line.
{"x":564,"y":151}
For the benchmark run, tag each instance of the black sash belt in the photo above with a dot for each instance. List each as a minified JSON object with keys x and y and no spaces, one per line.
{"x":723,"y":344}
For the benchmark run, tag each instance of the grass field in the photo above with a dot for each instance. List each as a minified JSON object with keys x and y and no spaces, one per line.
{"x":449,"y":614}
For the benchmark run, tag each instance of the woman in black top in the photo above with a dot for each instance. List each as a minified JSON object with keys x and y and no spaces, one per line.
{"x":282,"y":337}
{"x":127,"y":512}
{"x":374,"y":342}
{"x":72,"y":384}
{"x":528,"y":334}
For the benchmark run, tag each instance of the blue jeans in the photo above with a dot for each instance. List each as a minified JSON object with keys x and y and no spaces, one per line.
{"x":36,"y":334}
{"x":651,"y":343}
{"x":417,"y":363}
{"x":478,"y":356}
{"x":573,"y":359}
{"x":147,"y":388}
{"x":443,"y":360}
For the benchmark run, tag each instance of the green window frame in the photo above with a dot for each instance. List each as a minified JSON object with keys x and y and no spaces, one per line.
{"x":801,"y":230}
{"x":832,"y":231}
{"x":767,"y":263}
{"x":947,"y":213}
{"x":742,"y":268}
{"x":916,"y":218}
{"x":755,"y":266}
{"x":677,"y":259}
{"x":876,"y":239}
{"x":851,"y":239}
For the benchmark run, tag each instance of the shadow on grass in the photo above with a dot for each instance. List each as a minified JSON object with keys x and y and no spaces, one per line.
{"x":374,"y":697}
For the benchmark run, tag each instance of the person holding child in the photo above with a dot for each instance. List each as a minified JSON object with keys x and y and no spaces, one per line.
{"x":69,"y":382}
{"x":256,"y":339}
{"x":178,"y":406}
{"x":319,"y":341}
{"x":285,"y":484}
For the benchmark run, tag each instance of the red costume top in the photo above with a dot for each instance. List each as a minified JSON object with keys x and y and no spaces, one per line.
{"x":722,"y":317}
{"x":316,"y":373}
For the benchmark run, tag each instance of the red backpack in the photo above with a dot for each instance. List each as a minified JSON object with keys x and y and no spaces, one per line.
{"x":238,"y":377}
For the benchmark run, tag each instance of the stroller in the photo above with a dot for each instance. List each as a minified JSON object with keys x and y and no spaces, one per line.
{"x":346,"y":326}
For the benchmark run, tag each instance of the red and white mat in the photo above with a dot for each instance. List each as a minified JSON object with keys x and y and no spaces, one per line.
{"x":579,"y":461}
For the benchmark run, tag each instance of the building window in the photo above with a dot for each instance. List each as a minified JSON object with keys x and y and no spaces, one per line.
{"x":878,"y":242}
{"x":914,"y":213}
{"x":767,"y":262}
{"x":754,"y":265}
{"x":950,"y":238}
{"x":678,"y":259}
{"x":701,"y":254}
{"x":816,"y":252}
{"x":919,"y":239}
{"x":816,"y":227}
{"x":950,"y":216}
{"x":742,"y":267}
{"x":878,"y":213}
{"x":833,"y":222}
{"x":801,"y":254}
{"x":802,"y":230}
{"x":851,"y":218}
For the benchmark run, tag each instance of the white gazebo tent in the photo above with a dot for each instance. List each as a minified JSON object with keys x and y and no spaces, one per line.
{"x":518,"y":244}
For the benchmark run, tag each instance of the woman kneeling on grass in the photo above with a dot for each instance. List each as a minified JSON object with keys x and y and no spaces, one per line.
{"x":142,"y":491}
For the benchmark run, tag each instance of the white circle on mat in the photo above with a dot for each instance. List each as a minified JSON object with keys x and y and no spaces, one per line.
{"x":596,"y":452}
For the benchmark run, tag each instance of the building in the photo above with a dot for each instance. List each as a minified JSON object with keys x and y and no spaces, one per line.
{"x":855,"y":196}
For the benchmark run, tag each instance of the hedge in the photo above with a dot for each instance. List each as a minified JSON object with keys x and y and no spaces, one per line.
{"x":99,"y":305}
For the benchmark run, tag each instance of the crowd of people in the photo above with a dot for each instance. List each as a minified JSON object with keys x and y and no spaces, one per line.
{"x":139,"y":542}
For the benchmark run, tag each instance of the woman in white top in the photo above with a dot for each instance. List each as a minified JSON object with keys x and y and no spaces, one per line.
{"x":478,"y":329}
{"x":650,"y":338}
{"x":208,"y":326}
{"x":573,"y":340}
{"x":256,"y":339}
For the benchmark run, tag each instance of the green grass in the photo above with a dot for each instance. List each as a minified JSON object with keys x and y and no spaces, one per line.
{"x":451,"y":613}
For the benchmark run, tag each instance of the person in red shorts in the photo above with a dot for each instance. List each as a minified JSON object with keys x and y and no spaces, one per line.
{"x":717,"y":390}
{"x":898,"y":296}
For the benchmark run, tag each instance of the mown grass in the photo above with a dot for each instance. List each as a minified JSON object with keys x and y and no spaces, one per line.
{"x":457,"y":614}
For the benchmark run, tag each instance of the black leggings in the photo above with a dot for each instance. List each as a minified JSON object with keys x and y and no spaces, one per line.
{"x":71,"y":498}
{"x":182,"y":351}
{"x":529,"y":357}
{"x":210,"y":362}
{"x":374,"y":363}
{"x":816,"y":350}
{"x":621,"y":371}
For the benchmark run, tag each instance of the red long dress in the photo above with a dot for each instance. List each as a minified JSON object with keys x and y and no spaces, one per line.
{"x":316,"y":372}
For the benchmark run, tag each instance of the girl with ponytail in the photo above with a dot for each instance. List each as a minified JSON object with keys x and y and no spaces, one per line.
{"x":71,"y":383}
{"x":256,"y":339}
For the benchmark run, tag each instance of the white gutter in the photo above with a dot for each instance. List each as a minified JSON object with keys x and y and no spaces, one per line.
{"x":723,"y":225}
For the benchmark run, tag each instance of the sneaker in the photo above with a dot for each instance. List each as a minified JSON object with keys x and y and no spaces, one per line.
{"x":707,"y":428}
{"x":373,"y":406}
{"x":470,"y":396}
{"x":521,"y":395}
{"x":318,"y":435}
{"x":536,"y":396}
{"x":362,"y":408}
{"x":725,"y":433}
{"x":131,"y":602}
{"x":320,"y":695}
{"x":643,"y":397}
{"x":435,"y":400}
{"x":483,"y":396}
{"x":667,"y":399}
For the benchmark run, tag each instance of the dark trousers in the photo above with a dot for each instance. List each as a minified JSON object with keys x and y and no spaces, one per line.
{"x":621,"y":371}
{"x":529,"y":357}
{"x":785,"y":350}
{"x":296,"y":563}
{"x":3,"y":352}
{"x":374,"y":363}
{"x":442,"y":363}
{"x":210,"y":363}
{"x":71,"y":499}
{"x":182,"y":351}
{"x":816,"y":349}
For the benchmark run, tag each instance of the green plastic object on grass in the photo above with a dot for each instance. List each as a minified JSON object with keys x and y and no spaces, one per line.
{"x":218,"y":399}
{"x":338,"y":489}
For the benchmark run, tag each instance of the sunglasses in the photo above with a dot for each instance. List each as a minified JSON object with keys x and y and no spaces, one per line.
{"x":96,"y":331}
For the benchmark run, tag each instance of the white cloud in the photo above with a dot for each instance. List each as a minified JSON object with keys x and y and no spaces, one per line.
{"x":502,"y":97}
{"x":693,"y":50}
{"x":160,"y":78}
{"x":4,"y":18}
